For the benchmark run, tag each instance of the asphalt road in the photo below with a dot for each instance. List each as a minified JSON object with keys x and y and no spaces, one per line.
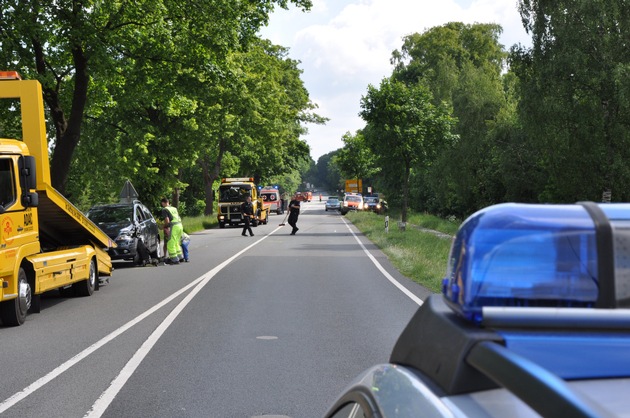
{"x":266,"y":326}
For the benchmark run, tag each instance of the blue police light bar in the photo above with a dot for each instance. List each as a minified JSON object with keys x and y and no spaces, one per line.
{"x":533,"y":255}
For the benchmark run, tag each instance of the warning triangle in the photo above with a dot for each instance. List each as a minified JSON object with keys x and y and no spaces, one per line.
{"x":128,"y":194}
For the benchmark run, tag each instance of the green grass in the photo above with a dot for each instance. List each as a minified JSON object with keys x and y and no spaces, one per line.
{"x":199,"y":223}
{"x":417,"y":252}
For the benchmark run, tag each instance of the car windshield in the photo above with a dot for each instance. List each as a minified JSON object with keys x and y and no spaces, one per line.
{"x":333,"y":200}
{"x":353,"y":198}
{"x":371,"y":199}
{"x":234,"y":193}
{"x":110,"y":214}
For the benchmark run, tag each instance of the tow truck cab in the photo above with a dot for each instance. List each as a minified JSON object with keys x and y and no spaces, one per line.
{"x":533,"y":320}
{"x":232,"y":193}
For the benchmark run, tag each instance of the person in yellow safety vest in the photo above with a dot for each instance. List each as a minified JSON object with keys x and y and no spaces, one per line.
{"x":172,"y":224}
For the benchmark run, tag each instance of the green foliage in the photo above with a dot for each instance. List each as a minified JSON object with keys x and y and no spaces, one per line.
{"x":326,"y":174}
{"x":574,"y":105}
{"x":461,"y":64}
{"x":404,"y":129}
{"x":198,"y":223}
{"x":137,"y":84}
{"x":355,"y":160}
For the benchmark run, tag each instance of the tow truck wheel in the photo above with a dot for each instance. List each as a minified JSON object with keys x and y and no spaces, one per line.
{"x":13,"y":312}
{"x":221,"y":224}
{"x":86,"y":287}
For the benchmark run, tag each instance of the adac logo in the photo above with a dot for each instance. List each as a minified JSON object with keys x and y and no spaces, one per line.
{"x":7,"y":230}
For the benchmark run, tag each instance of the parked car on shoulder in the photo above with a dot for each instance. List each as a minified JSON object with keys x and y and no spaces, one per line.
{"x":333,"y":203}
{"x":375,"y":204}
{"x":132,"y":226}
{"x":533,"y":321}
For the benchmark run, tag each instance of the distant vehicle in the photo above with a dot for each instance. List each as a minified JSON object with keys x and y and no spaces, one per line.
{"x":352,"y":201}
{"x":375,"y":204}
{"x":533,"y":321}
{"x":304,"y":196}
{"x":333,"y":203}
{"x":132,"y":226}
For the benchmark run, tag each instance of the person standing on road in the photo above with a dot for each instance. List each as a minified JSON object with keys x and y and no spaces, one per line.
{"x":185,"y":242}
{"x":294,"y":212}
{"x":247,"y":209}
{"x":173,"y":222}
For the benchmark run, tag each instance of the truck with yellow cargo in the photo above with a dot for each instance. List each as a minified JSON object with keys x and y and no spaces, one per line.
{"x":354,"y":186}
{"x":46,"y":243}
{"x":232,"y":193}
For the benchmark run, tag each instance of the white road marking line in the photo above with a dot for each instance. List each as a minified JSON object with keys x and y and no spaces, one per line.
{"x":39,"y":383}
{"x":382,"y":269}
{"x":12,"y":400}
{"x":106,"y":398}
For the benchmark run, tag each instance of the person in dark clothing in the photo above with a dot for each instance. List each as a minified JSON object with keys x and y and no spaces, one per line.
{"x":294,"y":212}
{"x":247,"y":209}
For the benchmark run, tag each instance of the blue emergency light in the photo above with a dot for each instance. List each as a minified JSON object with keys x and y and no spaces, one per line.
{"x":536,"y":255}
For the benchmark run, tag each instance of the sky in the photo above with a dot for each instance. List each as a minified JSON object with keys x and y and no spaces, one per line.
{"x":345,"y":45}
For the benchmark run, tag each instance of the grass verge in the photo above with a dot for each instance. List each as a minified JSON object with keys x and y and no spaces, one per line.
{"x":417,"y":252}
{"x":199,"y":223}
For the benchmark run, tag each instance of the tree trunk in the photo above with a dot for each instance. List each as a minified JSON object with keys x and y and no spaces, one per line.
{"x":210,"y":174}
{"x":405,"y":185}
{"x":176,"y":191}
{"x":68,"y":134}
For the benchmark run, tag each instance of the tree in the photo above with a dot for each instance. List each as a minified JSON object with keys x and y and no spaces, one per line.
{"x":327,"y":174}
{"x":574,"y":86}
{"x":70,"y":45}
{"x":404,"y":128}
{"x":461,"y":65}
{"x":355,"y":160}
{"x":257,"y":116}
{"x":437,"y":56}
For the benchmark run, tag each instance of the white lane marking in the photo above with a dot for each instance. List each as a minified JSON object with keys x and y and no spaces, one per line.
{"x":382,"y":269}
{"x":39,"y":383}
{"x":106,"y":398}
{"x":12,"y":400}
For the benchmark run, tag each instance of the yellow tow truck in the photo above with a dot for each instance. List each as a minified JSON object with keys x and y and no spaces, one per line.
{"x":232,"y":192}
{"x":46,"y":243}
